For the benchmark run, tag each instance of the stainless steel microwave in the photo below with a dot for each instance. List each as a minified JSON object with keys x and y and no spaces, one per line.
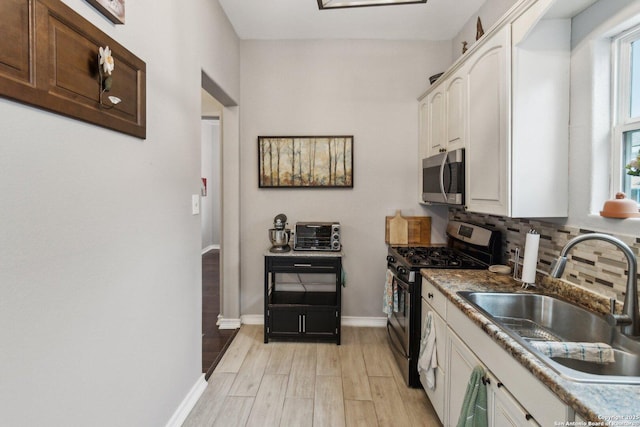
{"x":443,"y":178}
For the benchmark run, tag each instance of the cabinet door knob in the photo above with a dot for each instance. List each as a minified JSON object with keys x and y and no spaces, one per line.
{"x":500,"y":385}
{"x":430,"y":295}
{"x":486,"y":380}
{"x":528,"y":417}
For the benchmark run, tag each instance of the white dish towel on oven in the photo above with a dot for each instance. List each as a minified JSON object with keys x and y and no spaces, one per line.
{"x":390,"y":296}
{"x":428,"y":360}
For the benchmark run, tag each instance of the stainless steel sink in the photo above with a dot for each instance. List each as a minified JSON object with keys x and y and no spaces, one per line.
{"x":533,"y":317}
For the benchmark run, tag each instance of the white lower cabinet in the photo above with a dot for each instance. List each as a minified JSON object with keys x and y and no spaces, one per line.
{"x":505,"y":409}
{"x":461,"y":362}
{"x":514,"y":396}
{"x":436,"y":307}
{"x":502,"y":409}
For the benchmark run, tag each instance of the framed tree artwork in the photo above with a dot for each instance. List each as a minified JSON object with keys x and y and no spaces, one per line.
{"x":305,"y":161}
{"x":112,"y":9}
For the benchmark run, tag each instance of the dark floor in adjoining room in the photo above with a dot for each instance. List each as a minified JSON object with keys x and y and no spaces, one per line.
{"x":214,"y":340}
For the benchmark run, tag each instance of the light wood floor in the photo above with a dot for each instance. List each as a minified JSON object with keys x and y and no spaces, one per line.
{"x":294,"y":384}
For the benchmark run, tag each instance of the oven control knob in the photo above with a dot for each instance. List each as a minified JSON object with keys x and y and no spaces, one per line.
{"x":390,"y":258}
{"x":402,"y":270}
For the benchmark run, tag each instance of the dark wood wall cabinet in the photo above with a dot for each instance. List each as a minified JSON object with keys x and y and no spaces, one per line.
{"x":302,"y":294}
{"x":49,"y":59}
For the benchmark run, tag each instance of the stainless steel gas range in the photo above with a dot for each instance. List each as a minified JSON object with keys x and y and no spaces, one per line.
{"x":469,"y":246}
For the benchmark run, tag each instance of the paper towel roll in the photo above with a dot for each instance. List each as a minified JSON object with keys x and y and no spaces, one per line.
{"x":530,"y":257}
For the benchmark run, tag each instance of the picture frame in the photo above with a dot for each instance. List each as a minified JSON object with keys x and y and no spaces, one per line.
{"x":305,"y":161}
{"x":114,"y":10}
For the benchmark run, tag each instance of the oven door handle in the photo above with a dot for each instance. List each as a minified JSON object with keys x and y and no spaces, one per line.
{"x":401,"y":283}
{"x":393,"y":343}
{"x":444,"y":162}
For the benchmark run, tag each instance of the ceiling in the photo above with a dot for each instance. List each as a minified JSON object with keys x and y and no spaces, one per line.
{"x":301,"y":19}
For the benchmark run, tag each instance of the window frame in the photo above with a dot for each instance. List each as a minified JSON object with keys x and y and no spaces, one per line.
{"x":621,"y":92}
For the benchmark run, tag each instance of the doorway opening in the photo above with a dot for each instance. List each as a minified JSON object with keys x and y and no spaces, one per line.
{"x":220,"y":210}
{"x":214,"y":340}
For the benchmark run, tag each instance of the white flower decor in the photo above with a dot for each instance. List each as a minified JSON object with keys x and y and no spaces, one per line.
{"x":106,"y":60}
{"x":106,"y":64}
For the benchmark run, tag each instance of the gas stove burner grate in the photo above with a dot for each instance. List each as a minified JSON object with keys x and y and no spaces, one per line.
{"x":436,"y":257}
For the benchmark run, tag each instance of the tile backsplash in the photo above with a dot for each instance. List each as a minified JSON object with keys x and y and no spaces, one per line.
{"x":595,"y":265}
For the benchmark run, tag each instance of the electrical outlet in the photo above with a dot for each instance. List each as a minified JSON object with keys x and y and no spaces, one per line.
{"x":195,"y":204}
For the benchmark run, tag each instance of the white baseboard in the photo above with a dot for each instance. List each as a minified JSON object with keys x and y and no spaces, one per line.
{"x":224,"y":323}
{"x":210,"y":248}
{"x":187,"y":404}
{"x":253,"y":319}
{"x":362,"y":322}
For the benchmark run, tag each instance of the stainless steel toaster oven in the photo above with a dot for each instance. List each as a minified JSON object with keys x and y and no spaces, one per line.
{"x":317,"y":236}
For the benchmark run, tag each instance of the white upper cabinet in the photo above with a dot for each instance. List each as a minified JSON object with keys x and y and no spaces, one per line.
{"x":506,"y":101}
{"x":437,"y":141}
{"x":442,"y":126}
{"x":455,"y":98}
{"x":518,"y":141}
{"x":487,"y":157}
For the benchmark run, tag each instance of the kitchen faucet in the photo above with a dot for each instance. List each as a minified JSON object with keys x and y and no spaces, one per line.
{"x":630,"y":319}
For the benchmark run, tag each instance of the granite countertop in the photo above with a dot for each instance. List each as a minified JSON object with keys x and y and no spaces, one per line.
{"x":617,"y":404}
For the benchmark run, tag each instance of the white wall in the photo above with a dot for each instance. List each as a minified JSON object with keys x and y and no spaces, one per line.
{"x":100,"y":272}
{"x":218,"y":45}
{"x":368,"y":89}
{"x":590,"y":136}
{"x":219,"y":49}
{"x":490,"y":12}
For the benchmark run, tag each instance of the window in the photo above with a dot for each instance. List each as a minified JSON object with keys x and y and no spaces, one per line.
{"x":631,"y":150}
{"x":626,"y":144}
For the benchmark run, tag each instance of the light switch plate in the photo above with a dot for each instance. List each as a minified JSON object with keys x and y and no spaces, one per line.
{"x":195,"y":204}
